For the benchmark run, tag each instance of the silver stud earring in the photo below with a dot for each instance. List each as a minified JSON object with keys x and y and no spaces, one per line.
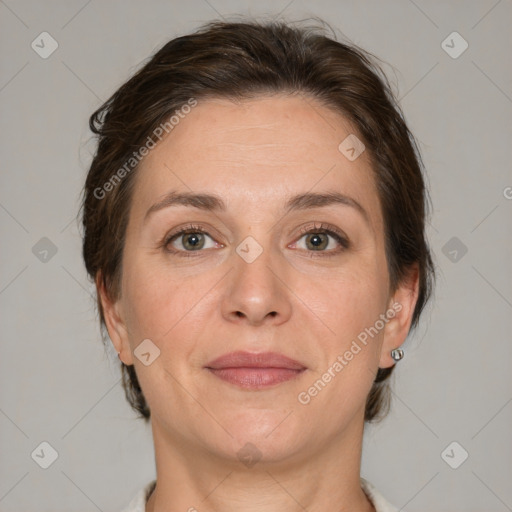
{"x":397,"y":354}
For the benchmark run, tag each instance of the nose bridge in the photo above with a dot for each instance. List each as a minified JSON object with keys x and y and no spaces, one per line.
{"x":256,"y":291}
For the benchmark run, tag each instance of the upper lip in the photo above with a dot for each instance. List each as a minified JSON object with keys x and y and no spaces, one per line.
{"x":242,"y":359}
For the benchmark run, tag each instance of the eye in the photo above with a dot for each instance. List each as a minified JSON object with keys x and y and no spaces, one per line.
{"x":189,"y":239}
{"x":322,"y":239}
{"x":317,"y":241}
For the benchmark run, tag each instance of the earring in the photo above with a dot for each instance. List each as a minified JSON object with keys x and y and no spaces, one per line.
{"x":397,"y":354}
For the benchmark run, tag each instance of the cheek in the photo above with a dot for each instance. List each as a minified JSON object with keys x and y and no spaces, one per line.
{"x":346,"y":303}
{"x":161,"y":307}
{"x":349,"y":307}
{"x":148,"y":307}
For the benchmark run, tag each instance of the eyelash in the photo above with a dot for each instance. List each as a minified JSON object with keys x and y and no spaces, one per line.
{"x":316,"y":229}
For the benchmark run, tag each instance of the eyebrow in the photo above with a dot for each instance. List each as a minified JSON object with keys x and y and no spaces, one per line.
{"x":214,"y":203}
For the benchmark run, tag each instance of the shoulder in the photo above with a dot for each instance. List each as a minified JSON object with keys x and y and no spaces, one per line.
{"x":138,"y":502}
{"x":378,"y":501}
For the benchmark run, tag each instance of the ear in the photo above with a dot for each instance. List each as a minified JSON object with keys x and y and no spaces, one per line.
{"x":114,"y":321}
{"x":402,"y":303}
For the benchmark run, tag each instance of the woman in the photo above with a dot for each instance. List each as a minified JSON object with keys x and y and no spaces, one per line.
{"x":254,"y":220}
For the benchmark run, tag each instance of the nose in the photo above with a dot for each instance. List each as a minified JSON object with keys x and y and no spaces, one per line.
{"x":257,"y":291}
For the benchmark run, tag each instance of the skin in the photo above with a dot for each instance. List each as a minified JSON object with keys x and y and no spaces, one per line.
{"x":291,"y":299}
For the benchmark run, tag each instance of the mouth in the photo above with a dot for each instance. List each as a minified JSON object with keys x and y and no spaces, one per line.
{"x":255,"y":371}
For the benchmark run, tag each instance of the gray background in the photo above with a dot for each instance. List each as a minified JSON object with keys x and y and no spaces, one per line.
{"x":57,"y":383}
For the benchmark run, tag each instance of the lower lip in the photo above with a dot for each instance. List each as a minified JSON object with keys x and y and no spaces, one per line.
{"x":255,"y":378}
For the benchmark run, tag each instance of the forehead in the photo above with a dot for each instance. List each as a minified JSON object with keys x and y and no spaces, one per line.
{"x":258,"y":151}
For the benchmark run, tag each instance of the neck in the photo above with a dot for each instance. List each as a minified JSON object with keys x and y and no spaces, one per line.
{"x":193,"y":480}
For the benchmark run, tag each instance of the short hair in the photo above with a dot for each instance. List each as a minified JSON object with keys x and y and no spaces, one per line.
{"x":244,"y":60}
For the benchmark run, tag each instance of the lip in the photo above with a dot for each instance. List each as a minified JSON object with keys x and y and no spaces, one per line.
{"x":242,"y":359}
{"x":255,"y":371}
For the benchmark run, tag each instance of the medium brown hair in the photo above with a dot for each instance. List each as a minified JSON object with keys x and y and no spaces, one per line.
{"x":240,"y":60}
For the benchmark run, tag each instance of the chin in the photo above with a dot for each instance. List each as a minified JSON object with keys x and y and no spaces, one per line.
{"x":264,"y":436}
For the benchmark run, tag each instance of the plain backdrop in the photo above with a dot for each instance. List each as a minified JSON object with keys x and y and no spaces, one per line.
{"x":452,"y":393}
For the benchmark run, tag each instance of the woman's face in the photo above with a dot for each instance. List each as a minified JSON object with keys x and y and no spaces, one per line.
{"x":270,"y":264}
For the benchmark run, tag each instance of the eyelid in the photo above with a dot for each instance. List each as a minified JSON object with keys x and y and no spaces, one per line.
{"x":183,"y":229}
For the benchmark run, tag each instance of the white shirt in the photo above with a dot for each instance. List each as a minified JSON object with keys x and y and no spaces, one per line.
{"x":138,"y":503}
